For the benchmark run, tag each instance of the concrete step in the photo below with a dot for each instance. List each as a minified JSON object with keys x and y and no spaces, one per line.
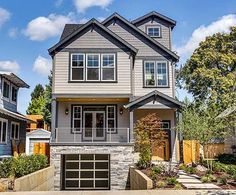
{"x":208,"y":186}
{"x":190,"y":180}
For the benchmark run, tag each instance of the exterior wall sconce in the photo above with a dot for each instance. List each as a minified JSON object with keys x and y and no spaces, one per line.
{"x":66,"y":111}
{"x":121,"y":111}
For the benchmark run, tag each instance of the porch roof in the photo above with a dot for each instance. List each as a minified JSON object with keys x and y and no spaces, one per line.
{"x":154,"y":96}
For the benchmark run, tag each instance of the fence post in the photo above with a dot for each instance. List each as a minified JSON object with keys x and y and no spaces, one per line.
{"x":128,"y":138}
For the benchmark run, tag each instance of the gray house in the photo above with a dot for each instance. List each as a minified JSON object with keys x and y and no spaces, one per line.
{"x":12,"y":123}
{"x":106,"y":76}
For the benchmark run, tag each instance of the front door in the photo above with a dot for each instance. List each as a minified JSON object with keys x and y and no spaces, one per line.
{"x":94,"y":125}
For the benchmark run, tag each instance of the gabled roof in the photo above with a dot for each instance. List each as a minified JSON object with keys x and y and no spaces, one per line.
{"x":153,"y":96}
{"x":152,"y":15}
{"x":143,"y":34}
{"x":14,"y":79}
{"x":15,"y":115}
{"x":68,"y":29}
{"x":103,"y":28}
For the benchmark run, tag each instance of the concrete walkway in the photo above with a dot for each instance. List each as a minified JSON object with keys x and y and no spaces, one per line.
{"x":140,"y":192}
{"x":194,"y":182}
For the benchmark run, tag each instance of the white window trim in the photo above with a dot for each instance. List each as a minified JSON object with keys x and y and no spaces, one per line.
{"x":154,"y":73}
{"x":167,"y":74}
{"x":107,"y":118}
{"x":18,"y":136}
{"x":71,"y":67}
{"x":73,"y":128}
{"x":99,"y":66}
{"x":14,"y":102}
{"x":114,"y":67}
{"x":5,"y":98}
{"x":4,"y":120}
{"x":159,"y":27}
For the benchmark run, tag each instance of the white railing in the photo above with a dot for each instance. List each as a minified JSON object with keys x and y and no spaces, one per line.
{"x":91,"y":135}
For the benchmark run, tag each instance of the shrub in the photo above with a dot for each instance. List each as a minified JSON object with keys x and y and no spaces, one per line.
{"x":161,"y":184}
{"x":178,"y":187}
{"x":182,"y":167}
{"x":171,"y":181}
{"x":208,"y":178}
{"x":222,"y":180}
{"x":191,"y":170}
{"x":227,"y":158}
{"x":22,"y":165}
{"x":158,"y":169}
{"x":234,"y":177}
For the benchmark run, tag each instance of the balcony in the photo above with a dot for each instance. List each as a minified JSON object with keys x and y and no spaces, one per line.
{"x":91,"y":135}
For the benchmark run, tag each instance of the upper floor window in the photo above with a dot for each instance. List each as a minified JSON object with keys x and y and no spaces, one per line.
{"x":154,"y":31}
{"x":92,"y":67}
{"x":6,"y":89}
{"x":155,"y":74}
{"x":15,"y":130}
{"x":3,"y":131}
{"x":13,"y":94}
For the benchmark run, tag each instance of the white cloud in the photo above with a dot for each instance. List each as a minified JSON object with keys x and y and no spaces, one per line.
{"x":42,"y":66}
{"x":10,"y":66}
{"x":83,"y":21}
{"x":13,"y":32}
{"x":42,"y":28}
{"x":82,"y":5}
{"x":58,"y":3}
{"x":221,"y":25}
{"x":100,"y":19}
{"x":4,"y":16}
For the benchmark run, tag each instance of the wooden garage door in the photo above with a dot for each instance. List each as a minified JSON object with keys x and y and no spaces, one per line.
{"x":86,"y":171}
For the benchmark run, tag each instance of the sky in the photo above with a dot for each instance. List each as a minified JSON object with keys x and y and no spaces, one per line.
{"x":29,"y":27}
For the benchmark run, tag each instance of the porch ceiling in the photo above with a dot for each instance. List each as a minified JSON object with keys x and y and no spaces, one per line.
{"x":154,"y":96}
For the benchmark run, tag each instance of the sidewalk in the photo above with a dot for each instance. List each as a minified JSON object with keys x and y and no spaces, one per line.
{"x":129,"y":192}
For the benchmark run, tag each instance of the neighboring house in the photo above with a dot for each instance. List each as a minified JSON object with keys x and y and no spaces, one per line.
{"x":230,"y":140}
{"x":37,"y":122}
{"x":106,"y":76}
{"x":37,"y":136}
{"x":12,"y":123}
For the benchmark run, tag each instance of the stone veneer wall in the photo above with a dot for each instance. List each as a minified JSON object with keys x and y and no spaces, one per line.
{"x":121,"y":157}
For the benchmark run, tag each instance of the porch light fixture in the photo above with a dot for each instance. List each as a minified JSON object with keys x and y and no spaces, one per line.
{"x":121,"y":110}
{"x":66,"y":111}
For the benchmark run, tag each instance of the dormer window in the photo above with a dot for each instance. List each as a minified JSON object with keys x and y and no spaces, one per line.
{"x":154,"y":31}
{"x":14,"y":94}
{"x":6,"y":89}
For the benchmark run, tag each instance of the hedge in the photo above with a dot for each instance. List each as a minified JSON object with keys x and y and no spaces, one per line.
{"x":22,"y":165}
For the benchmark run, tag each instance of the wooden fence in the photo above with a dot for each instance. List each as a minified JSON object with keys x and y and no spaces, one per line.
{"x":191,"y":151}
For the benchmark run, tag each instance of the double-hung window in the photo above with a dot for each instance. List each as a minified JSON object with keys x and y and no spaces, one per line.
{"x":108,"y":67}
{"x":154,"y":31}
{"x":3,"y":131}
{"x":6,"y":89}
{"x":15,"y":131}
{"x":155,"y":74}
{"x":111,"y":118}
{"x":93,"y":67}
{"x":77,"y":119}
{"x":77,"y":67}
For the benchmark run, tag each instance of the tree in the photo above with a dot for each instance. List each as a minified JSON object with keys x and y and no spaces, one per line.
{"x":38,"y":91}
{"x":36,"y":106}
{"x":48,"y":101}
{"x":210,"y":73}
{"x":148,"y":135}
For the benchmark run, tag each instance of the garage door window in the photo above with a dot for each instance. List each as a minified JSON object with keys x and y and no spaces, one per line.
{"x":86,"y":171}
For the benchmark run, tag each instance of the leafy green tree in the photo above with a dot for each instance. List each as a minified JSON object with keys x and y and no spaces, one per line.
{"x":210,"y":73}
{"x":48,"y":101}
{"x":36,"y":106}
{"x":38,"y":91}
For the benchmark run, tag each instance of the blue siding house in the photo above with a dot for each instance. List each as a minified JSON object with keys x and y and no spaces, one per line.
{"x":12,"y":123}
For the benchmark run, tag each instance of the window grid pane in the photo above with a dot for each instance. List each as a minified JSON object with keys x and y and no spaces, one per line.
{"x":150,"y":74}
{"x":162,"y":74}
{"x":77,"y":67}
{"x":154,"y":31}
{"x":6,"y":89}
{"x":77,"y":119}
{"x":111,"y":118}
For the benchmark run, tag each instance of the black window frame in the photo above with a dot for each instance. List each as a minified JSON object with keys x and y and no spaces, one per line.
{"x":153,"y":27}
{"x":4,"y":90}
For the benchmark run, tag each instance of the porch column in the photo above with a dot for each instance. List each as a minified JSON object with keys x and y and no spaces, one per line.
{"x":53,"y":119}
{"x":131,"y":125}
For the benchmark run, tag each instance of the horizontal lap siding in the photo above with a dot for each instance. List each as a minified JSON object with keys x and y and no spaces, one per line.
{"x":165,"y":32}
{"x":140,"y":90}
{"x":131,"y":37}
{"x":62,"y":76}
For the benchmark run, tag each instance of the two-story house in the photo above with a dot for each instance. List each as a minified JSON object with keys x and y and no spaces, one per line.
{"x":12,"y":123}
{"x":106,"y":76}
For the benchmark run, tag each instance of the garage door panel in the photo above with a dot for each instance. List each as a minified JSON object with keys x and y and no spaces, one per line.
{"x":86,"y":171}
